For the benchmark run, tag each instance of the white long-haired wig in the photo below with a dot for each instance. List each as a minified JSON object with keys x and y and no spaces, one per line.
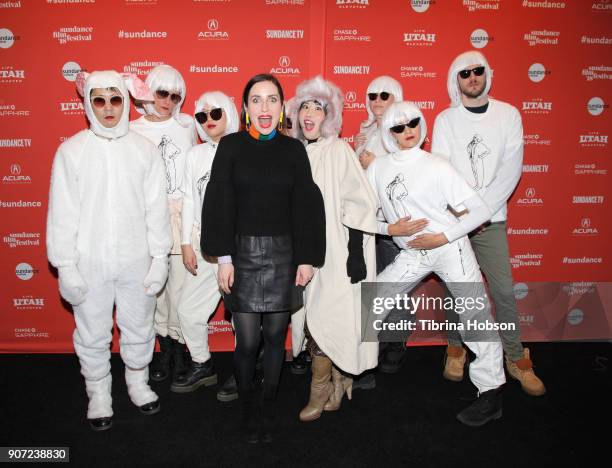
{"x":378,"y":85}
{"x":325,"y":93}
{"x":400,"y":113}
{"x":166,"y":78}
{"x":217,"y":100}
{"x":463,"y":61}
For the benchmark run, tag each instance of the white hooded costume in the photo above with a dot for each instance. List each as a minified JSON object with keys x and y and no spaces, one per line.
{"x":374,"y":142}
{"x":423,"y":185}
{"x":332,"y":307}
{"x":174,"y":137}
{"x":200,"y":294}
{"x":486,"y":148}
{"x":108,"y":235}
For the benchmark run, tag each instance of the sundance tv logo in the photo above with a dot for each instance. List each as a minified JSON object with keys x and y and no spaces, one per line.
{"x":284,"y":34}
{"x":535,"y":168}
{"x":285,"y":68}
{"x":214,"y":32}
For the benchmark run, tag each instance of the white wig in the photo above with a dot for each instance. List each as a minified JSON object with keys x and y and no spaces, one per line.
{"x":217,"y":100}
{"x":462,"y":62}
{"x":400,"y":113}
{"x":378,"y":85}
{"x":328,"y":95}
{"x":169,"y":79}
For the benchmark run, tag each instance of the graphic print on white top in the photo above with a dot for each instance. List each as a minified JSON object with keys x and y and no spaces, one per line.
{"x":169,"y":152}
{"x":397,"y":192}
{"x":477,"y":151}
{"x":201,"y":183}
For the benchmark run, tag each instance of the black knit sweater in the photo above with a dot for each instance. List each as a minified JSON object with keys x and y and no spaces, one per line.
{"x":263,"y":188}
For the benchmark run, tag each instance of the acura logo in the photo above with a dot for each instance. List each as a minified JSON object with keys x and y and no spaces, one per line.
{"x":351,"y":96}
{"x":586,"y":223}
{"x":213,"y":24}
{"x":284,"y":61}
{"x":15,"y":169}
{"x":530,"y":192}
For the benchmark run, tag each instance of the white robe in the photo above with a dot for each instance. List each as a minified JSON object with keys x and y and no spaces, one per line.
{"x":332,"y":306}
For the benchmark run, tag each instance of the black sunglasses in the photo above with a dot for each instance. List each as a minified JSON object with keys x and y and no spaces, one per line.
{"x":163,"y":94}
{"x":384,"y":96}
{"x":215,"y":114}
{"x":478,"y":71}
{"x":400,"y":128}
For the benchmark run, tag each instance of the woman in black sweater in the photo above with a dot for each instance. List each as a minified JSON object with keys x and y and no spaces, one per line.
{"x":263,"y":216}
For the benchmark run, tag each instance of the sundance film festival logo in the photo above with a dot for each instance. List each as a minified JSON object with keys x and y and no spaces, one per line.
{"x":10,"y":4}
{"x":597,"y":72}
{"x":351,"y":69}
{"x":8,"y":74}
{"x":421,"y":6}
{"x":528,"y":231}
{"x":596,"y":106}
{"x":22,"y":239}
{"x":575,"y":317}
{"x":73,"y":107}
{"x":530,"y":198}
{"x":543,"y":4}
{"x":285,"y":67}
{"x":352,"y":3}
{"x":352,"y":103}
{"x":526,"y":260}
{"x":141,"y":67}
{"x":28,"y":303}
{"x":11,"y":110}
{"x":476,"y":5}
{"x":284,"y":34}
{"x":535,"y":168}
{"x":542,"y":37}
{"x":25,"y":272}
{"x":350,"y":35}
{"x":536,"y":139}
{"x":593,"y":140}
{"x":480,"y":38}
{"x":70,"y":70}
{"x":15,"y":176}
{"x":419,"y":38}
{"x":520,"y":291}
{"x":214,"y":32}
{"x":585,"y":228}
{"x":588,"y":199}
{"x":73,"y":34}
{"x":601,"y":5}
{"x":537,"y":72}
{"x":416,"y":71}
{"x":589,"y":169}
{"x":7,"y":38}
{"x":537,"y":106}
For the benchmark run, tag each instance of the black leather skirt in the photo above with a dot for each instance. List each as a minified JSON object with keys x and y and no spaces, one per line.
{"x":264,"y":276}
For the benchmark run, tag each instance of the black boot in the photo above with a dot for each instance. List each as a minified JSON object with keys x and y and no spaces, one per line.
{"x":301,"y":363}
{"x":181,"y":360}
{"x":101,"y":424}
{"x":229,"y":390}
{"x":268,"y":413}
{"x":161,"y":366}
{"x":393,"y":357}
{"x":365,"y":381}
{"x":250,"y":429}
{"x":198,"y":374}
{"x":487,"y":407}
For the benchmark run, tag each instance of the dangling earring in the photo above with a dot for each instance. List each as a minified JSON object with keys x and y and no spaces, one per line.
{"x":280,"y":121}
{"x":248,"y":121}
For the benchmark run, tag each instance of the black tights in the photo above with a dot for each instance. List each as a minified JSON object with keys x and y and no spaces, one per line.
{"x":248,"y":327}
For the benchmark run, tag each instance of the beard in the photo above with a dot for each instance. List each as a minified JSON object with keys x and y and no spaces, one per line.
{"x":473,"y":92}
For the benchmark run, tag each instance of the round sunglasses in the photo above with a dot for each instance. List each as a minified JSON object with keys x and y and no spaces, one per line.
{"x":100,"y":101}
{"x":163,"y":94}
{"x":215,"y":114}
{"x":384,"y":96}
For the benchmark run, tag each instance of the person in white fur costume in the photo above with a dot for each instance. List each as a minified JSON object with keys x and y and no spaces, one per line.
{"x":215,"y":116}
{"x":174,"y":134}
{"x":108,"y":234}
{"x":331,"y":316}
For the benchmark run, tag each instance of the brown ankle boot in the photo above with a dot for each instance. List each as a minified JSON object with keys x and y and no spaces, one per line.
{"x":522,"y":370}
{"x":342,"y":384}
{"x":454,"y":363}
{"x":320,"y":388}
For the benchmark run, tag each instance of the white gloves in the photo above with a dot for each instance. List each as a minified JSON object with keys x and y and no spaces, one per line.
{"x":71,"y":285}
{"x":157,"y":276}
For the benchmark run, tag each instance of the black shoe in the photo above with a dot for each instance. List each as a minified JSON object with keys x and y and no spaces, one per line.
{"x":181,"y":360}
{"x":149,"y":409}
{"x":229,"y":390}
{"x":160,"y":369}
{"x":101,"y":424}
{"x":250,"y":426}
{"x":366,"y":381}
{"x":200,"y":373}
{"x":393,"y":357}
{"x":267,"y":427}
{"x":301,"y":363}
{"x":487,"y":407}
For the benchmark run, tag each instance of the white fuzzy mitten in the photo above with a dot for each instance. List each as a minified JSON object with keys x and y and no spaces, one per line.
{"x":71,"y":285}
{"x":157,"y":276}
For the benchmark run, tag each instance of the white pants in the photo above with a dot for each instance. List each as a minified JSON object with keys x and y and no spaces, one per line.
{"x":197,"y":303}
{"x":167,"y":322}
{"x":94,"y":318}
{"x":456,"y":265}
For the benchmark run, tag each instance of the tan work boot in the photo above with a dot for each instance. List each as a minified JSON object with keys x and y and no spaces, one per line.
{"x":454,"y":363}
{"x":342,"y":385}
{"x":522,"y":370}
{"x":320,"y":388}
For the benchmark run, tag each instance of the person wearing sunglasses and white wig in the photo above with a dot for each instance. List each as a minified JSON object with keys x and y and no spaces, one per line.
{"x":483,"y":139}
{"x":412,"y":182}
{"x":215,"y":116}
{"x":174,"y":134}
{"x":108,"y":234}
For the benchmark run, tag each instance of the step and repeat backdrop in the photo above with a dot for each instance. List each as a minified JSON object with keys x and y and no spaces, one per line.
{"x":551,"y":59}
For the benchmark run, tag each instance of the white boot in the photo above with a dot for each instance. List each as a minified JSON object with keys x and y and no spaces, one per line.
{"x":137,"y":381}
{"x":100,"y":400}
